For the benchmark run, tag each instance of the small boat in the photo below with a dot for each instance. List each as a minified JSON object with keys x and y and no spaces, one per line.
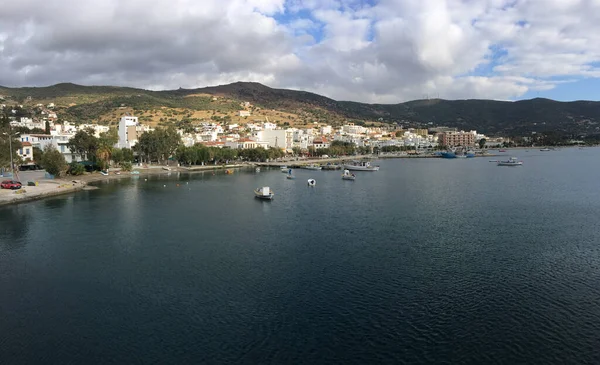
{"x":510,"y":162}
{"x":290,"y":176}
{"x":360,"y":166}
{"x":284,"y":169}
{"x":545,"y":149}
{"x":264,"y":193}
{"x":312,"y":182}
{"x":348,"y":176}
{"x":166,"y":168}
{"x":105,"y":173}
{"x":257,"y":169}
{"x":228,"y":172}
{"x":494,"y":161}
{"x":313,"y":167}
{"x":135,"y":172}
{"x":501,"y":150}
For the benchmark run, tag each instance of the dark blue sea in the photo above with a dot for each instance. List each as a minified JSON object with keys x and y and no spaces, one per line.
{"x":425,"y":261}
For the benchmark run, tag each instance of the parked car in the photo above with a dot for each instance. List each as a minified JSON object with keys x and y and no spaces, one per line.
{"x":10,"y":184}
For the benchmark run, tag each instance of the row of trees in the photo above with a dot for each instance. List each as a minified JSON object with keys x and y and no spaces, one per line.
{"x":199,"y":154}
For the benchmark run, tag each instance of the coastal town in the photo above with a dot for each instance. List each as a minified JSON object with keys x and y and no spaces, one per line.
{"x":310,"y":141}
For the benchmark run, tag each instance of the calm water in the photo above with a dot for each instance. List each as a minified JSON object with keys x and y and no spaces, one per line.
{"x":425,"y":261}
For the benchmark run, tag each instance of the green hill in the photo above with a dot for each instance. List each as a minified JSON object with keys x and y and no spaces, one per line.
{"x":85,"y":103}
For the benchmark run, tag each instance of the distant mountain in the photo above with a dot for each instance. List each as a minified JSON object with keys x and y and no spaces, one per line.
{"x":487,"y":116}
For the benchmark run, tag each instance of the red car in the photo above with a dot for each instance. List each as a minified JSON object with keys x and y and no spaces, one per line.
{"x":10,"y":184}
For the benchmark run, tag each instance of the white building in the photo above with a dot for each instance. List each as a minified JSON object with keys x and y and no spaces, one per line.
{"x":269,"y":125}
{"x":127,"y":132}
{"x":60,"y":142}
{"x":354,"y":129}
{"x":326,"y":130}
{"x":277,"y":138}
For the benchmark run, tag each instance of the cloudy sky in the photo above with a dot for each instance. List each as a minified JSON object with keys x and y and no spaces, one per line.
{"x":363,"y":50}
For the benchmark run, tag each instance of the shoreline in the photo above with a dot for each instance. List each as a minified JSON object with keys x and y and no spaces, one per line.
{"x":62,"y":186}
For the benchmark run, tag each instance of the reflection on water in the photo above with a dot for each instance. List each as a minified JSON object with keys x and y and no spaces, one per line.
{"x":14,"y":226}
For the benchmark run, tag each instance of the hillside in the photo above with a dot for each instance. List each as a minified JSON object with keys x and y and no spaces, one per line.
{"x":106,"y":103}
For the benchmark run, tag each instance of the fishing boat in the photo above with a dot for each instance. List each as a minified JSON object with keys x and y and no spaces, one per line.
{"x":264,"y":193}
{"x":312,"y":182}
{"x":360,"y":166}
{"x":313,"y":167}
{"x":510,"y":162}
{"x":290,"y":176}
{"x":347,"y":175}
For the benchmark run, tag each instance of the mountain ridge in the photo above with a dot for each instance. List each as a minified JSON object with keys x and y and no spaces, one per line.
{"x":520,"y":117}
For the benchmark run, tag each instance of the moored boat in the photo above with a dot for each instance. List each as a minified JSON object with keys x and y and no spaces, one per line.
{"x":510,"y":162}
{"x":264,"y":193}
{"x":544,"y":149}
{"x":347,"y":175}
{"x":284,"y":169}
{"x":361,"y":166}
{"x":313,"y":167}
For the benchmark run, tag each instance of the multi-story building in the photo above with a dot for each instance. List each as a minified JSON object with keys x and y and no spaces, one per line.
{"x":454,"y":139}
{"x":128,"y":136}
{"x":58,"y":141}
{"x":278,"y":138}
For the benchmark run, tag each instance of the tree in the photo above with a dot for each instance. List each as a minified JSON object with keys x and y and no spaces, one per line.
{"x":158,"y":145}
{"x":117,"y":155}
{"x":37,"y":155}
{"x":5,"y":144}
{"x":127,"y":154}
{"x":76,"y":169}
{"x":482,"y":143}
{"x":53,"y":161}
{"x":85,"y":144}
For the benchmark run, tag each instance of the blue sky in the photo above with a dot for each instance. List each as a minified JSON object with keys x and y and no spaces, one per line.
{"x":383,"y":51}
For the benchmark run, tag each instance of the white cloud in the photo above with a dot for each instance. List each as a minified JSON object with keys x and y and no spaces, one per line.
{"x":389,"y":51}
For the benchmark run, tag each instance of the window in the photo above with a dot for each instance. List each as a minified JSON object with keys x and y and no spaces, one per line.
{"x":27,"y":151}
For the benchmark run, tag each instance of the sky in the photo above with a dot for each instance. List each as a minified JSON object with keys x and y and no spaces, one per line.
{"x":376,"y":51}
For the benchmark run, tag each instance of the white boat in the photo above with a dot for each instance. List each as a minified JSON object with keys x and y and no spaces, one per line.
{"x":313,"y":167}
{"x":348,"y":176}
{"x":545,"y":149}
{"x":284,"y":169}
{"x":312,"y":182}
{"x":361,"y":166}
{"x":264,"y":193}
{"x":166,"y":168}
{"x":510,"y":162}
{"x":257,"y":169}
